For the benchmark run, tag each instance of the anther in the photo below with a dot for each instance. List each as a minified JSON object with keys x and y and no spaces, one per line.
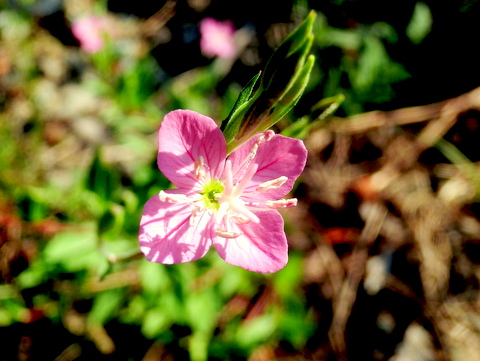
{"x":196,"y":212}
{"x":269,"y":135}
{"x":282,"y":203}
{"x":240,"y":209}
{"x":272,"y":184}
{"x":173,"y":198}
{"x":199,"y":167}
{"x":265,"y":137}
{"x":240,"y":218}
{"x":254,"y":150}
{"x":227,"y":234}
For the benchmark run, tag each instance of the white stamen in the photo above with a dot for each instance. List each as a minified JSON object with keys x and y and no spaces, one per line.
{"x":242,"y":184}
{"x":200,"y":167}
{"x":225,"y":222}
{"x":227,"y":234}
{"x":240,"y":218}
{"x":266,"y":137}
{"x":253,"y":151}
{"x":246,"y":162}
{"x":244,"y":211}
{"x":232,"y":209}
{"x":222,"y":212}
{"x":273,"y":184}
{"x":196,"y":212}
{"x":281,"y":203}
{"x":228,"y":177}
{"x":173,"y":198}
{"x":244,"y":166}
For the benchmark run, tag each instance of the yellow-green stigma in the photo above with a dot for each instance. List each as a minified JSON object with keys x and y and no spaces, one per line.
{"x":210,"y":194}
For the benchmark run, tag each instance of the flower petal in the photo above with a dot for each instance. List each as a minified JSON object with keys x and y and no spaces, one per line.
{"x":217,"y":38}
{"x":281,"y":156}
{"x":166,"y":235}
{"x":183,"y":138}
{"x":261,"y":248}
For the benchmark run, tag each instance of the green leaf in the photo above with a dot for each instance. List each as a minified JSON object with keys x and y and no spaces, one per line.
{"x":371,"y":77}
{"x":320,"y":113}
{"x":101,"y":179}
{"x":232,"y":123}
{"x":137,"y":83}
{"x":35,"y":274}
{"x":298,"y":129}
{"x":371,"y":61}
{"x":326,"y":107}
{"x":282,"y":84}
{"x":198,"y":346}
{"x":420,"y":24}
{"x":105,"y":305}
{"x":33,"y":207}
{"x":134,"y":311}
{"x":256,"y":331}
{"x":154,"y":278}
{"x":296,"y":327}
{"x":288,"y":279}
{"x":232,"y":129}
{"x":201,"y":310}
{"x":10,"y":312}
{"x":294,"y":93}
{"x":278,"y":110}
{"x":74,"y":251}
{"x":288,"y":70}
{"x":243,"y":97}
{"x":454,"y":155}
{"x":112,"y":220}
{"x":5,"y":318}
{"x":292,"y":43}
{"x":155,"y":322}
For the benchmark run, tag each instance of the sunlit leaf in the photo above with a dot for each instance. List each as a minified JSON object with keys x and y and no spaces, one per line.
{"x":257,"y":330}
{"x":154,"y":278}
{"x":74,"y":250}
{"x":105,"y":306}
{"x":420,"y":23}
{"x":155,"y":322}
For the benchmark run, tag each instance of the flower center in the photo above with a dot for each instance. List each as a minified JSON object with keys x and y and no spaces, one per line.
{"x":211,"y":192}
{"x":222,"y":198}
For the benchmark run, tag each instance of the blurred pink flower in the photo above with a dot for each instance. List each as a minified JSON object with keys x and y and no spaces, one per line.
{"x":90,"y":32}
{"x":217,"y":38}
{"x":229,"y":202}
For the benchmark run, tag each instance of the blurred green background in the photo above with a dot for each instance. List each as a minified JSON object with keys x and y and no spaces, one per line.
{"x":78,"y":161}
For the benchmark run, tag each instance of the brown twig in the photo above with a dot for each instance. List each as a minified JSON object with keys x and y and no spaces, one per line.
{"x":344,"y":300}
{"x":441,"y":116}
{"x":158,"y":20}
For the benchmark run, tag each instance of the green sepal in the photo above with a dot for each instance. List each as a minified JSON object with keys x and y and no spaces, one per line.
{"x":298,"y":129}
{"x":292,"y":43}
{"x":281,"y":85}
{"x":326,"y":107}
{"x":320,"y":113}
{"x":290,"y":98}
{"x":232,"y":122}
{"x":243,"y":97}
{"x":262,"y":115}
{"x":287,"y":71}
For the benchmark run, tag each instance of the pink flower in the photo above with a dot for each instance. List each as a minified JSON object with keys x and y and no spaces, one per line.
{"x":229,"y":202}
{"x":217,"y":38}
{"x":90,"y":32}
